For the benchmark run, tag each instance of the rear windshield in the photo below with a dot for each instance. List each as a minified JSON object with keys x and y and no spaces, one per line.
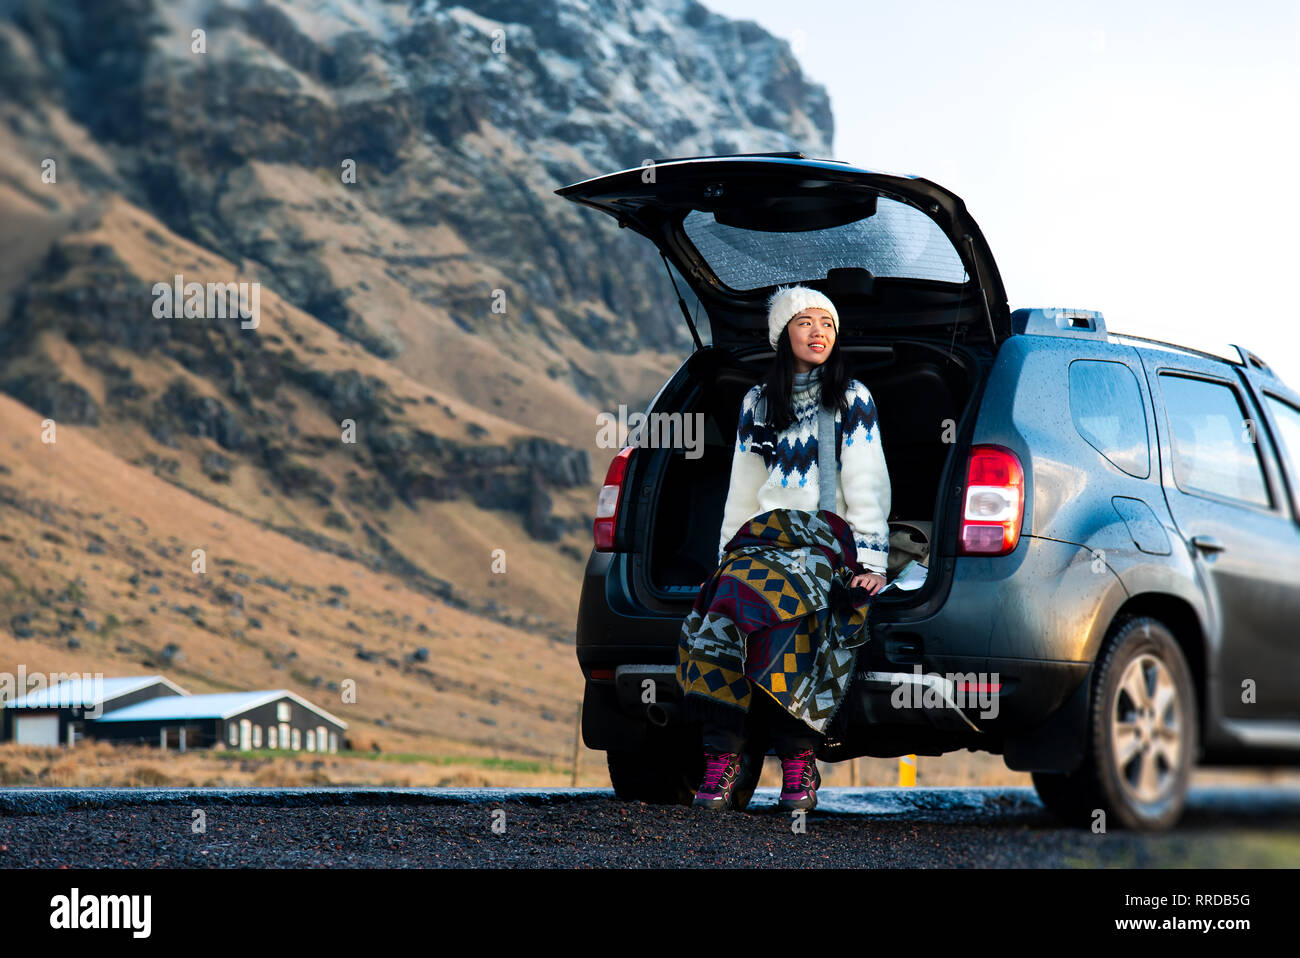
{"x":898,"y":241}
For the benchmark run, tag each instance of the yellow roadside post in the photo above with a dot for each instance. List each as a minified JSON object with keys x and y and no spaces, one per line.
{"x":906,"y":771}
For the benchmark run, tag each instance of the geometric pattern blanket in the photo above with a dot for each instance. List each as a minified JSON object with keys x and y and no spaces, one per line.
{"x":778,"y":614}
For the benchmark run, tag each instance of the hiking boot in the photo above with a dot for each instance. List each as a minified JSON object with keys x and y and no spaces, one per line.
{"x":721,"y":771}
{"x":800,"y":779}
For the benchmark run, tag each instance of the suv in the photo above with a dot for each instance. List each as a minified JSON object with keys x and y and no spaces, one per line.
{"x":1112,"y":546}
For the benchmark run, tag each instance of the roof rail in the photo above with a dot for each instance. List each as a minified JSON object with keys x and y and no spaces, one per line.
{"x":1249,"y":359}
{"x":1178,"y":347}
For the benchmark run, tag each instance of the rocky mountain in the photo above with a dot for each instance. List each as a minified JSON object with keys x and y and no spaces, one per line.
{"x":435,"y":331}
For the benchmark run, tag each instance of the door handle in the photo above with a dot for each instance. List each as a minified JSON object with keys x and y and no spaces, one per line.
{"x":1207,"y":543}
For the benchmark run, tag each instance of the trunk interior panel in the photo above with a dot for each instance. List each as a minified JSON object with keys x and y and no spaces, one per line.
{"x":916,"y":389}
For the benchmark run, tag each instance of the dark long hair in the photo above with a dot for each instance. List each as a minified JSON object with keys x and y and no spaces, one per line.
{"x":778,"y":386}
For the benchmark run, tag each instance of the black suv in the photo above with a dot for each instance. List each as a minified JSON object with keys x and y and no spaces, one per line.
{"x":1109,"y":524}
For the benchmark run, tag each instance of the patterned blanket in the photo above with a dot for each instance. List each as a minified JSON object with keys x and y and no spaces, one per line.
{"x":778,"y":613}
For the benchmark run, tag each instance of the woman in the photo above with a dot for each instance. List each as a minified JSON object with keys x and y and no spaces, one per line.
{"x":777,"y":627}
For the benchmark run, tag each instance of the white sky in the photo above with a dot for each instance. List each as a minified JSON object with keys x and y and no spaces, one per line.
{"x":1136,"y":157}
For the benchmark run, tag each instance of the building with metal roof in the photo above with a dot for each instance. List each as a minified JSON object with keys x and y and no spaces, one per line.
{"x":59,"y":713}
{"x":269,"y":718}
{"x":151,"y":709}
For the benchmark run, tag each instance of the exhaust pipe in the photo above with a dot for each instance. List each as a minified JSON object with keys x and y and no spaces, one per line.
{"x":661,"y":713}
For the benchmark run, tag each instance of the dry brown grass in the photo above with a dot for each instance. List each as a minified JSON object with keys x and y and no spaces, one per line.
{"x":486,"y":688}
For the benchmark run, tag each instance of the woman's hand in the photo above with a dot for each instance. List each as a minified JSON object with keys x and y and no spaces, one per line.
{"x":873,"y":582}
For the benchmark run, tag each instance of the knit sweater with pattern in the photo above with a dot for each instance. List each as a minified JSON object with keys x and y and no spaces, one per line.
{"x":778,"y":470}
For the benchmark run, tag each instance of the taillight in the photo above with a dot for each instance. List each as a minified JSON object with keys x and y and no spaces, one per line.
{"x":607,"y":503}
{"x":995,"y":502}
{"x":964,"y":688}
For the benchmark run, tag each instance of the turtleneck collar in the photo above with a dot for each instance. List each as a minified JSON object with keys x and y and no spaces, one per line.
{"x":809,"y":380}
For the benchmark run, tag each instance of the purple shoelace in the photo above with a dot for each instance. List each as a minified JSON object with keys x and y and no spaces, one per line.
{"x":794,"y":770}
{"x":717,"y":764}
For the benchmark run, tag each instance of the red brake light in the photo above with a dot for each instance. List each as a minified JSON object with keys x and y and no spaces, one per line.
{"x":995,"y":502}
{"x":607,"y":503}
{"x":976,"y":687}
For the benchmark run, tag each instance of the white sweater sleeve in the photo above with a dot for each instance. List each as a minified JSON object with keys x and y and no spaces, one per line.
{"x":748,"y":473}
{"x":865,"y":480}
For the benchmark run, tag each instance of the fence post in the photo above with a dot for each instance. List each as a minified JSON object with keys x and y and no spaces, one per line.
{"x":577,"y":746}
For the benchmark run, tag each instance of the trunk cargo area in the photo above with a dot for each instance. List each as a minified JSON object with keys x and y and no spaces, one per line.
{"x":917,"y":385}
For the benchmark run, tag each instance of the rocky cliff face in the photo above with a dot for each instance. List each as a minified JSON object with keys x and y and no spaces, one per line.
{"x":383,"y":171}
{"x":457,"y":120}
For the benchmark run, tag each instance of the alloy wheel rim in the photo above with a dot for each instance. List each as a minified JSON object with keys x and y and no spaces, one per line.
{"x":1147,"y":729}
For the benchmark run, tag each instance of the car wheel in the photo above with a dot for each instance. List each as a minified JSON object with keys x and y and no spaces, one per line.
{"x":666,"y":771}
{"x":1141,"y":738}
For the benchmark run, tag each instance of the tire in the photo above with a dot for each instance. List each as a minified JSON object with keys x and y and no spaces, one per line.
{"x":1141,"y":740}
{"x":665,"y":772}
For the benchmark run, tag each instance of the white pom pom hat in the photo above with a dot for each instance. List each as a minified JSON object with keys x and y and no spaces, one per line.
{"x":787,"y":302}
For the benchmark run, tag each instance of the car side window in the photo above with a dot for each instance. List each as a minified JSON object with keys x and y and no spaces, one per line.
{"x":1108,"y":411}
{"x":1287,"y":418}
{"x":1214,"y":442}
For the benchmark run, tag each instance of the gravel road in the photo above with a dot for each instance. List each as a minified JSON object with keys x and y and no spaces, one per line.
{"x":423,"y":828}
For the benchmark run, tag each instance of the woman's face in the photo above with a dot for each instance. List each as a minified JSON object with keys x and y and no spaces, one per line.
{"x":812,"y":334}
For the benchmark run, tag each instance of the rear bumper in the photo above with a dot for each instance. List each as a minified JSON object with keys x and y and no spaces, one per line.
{"x":1029,"y":622}
{"x":889,"y":713}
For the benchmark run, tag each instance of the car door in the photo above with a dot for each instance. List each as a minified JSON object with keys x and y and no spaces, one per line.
{"x":1281,"y":414}
{"x":1226,"y":493}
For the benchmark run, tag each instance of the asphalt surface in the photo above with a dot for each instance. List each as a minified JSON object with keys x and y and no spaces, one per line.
{"x":566,"y":828}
